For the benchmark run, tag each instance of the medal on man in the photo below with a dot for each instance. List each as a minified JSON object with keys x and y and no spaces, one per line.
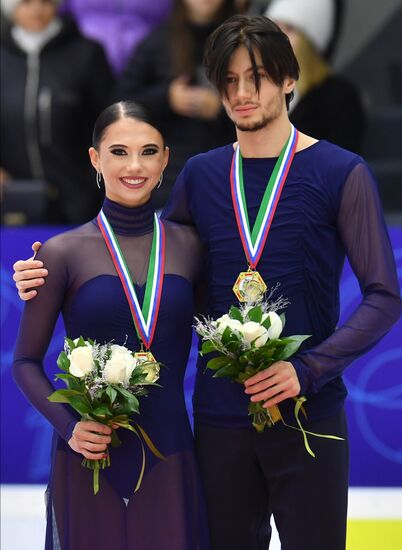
{"x":144,"y":357}
{"x":249,"y":286}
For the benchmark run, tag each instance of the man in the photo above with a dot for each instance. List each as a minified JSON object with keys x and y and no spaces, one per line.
{"x":328,"y":206}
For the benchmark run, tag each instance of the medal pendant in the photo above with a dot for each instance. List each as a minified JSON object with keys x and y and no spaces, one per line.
{"x":144,"y":357}
{"x":249,"y":286}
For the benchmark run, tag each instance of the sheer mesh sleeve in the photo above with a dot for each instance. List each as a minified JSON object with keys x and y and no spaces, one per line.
{"x":363,"y":232}
{"x":35,"y":332}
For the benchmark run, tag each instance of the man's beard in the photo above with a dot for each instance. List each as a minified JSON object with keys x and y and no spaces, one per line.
{"x":265,"y":119}
{"x":254,"y":126}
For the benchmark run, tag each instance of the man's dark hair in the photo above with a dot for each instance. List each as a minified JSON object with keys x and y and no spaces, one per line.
{"x":257,"y":32}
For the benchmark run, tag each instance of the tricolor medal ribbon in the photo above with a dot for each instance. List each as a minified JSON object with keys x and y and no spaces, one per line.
{"x":249,"y":286}
{"x":144,"y":318}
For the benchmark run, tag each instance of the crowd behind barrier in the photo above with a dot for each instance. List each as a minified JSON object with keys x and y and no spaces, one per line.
{"x":48,"y":109}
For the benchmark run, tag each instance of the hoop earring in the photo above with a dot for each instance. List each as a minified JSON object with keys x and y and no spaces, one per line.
{"x":98,"y":179}
{"x":160,"y":181}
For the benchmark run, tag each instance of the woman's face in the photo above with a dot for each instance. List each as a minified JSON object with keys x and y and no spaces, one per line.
{"x":34,"y":15}
{"x":202,"y":11}
{"x":131,"y":158}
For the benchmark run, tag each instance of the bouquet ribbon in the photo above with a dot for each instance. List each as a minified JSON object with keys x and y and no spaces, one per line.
{"x":142,"y":435}
{"x":298,"y":406}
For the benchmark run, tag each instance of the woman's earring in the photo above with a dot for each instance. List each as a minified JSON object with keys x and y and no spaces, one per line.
{"x":160,"y":181}
{"x":98,"y":179}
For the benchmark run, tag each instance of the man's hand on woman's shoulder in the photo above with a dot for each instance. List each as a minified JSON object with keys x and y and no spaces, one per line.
{"x":29,"y":274}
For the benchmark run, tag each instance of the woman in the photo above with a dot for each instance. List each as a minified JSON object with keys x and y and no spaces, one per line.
{"x":50,"y":96}
{"x":166,"y":74}
{"x":129,"y":155}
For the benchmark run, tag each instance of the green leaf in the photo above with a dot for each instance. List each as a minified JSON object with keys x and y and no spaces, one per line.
{"x":63,"y":362}
{"x":291,"y":348}
{"x":255,"y":314}
{"x":235,"y":313}
{"x":246,"y":374}
{"x":81,"y":404}
{"x":64,"y":396}
{"x":111,"y":393}
{"x":234,"y":347}
{"x":80,"y":343}
{"x":229,"y":336}
{"x":267,"y":323}
{"x":102,"y":410}
{"x":282,"y":317}
{"x":248,"y":357}
{"x":70,"y":343}
{"x":132,"y":401}
{"x":268,"y":356}
{"x":218,"y":362}
{"x":207,"y":347}
{"x":229,"y":371}
{"x":71,"y":382}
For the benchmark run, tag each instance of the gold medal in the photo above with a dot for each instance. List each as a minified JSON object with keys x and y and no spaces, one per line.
{"x":144,"y":357}
{"x":249,"y":286}
{"x":149,"y":365}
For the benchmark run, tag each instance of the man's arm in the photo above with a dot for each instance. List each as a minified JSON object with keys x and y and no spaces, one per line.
{"x":362,"y":228}
{"x":29,"y":274}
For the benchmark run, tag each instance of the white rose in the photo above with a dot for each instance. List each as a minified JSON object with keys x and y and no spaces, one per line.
{"x":81,"y":361}
{"x":119,"y":367}
{"x":226,"y":321}
{"x":276,"y":327}
{"x":254,"y":332}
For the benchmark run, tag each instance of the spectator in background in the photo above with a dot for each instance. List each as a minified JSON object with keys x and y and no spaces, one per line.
{"x":166,"y":75}
{"x":326,"y":105}
{"x":54,"y":83}
{"x":119,"y":25}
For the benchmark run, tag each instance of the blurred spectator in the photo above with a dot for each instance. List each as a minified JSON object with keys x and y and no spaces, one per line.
{"x":166,"y":75}
{"x":119,"y":25}
{"x":326,"y":105}
{"x":54,"y":82}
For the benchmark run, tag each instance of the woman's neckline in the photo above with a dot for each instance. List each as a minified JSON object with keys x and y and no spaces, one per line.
{"x":132,"y":221}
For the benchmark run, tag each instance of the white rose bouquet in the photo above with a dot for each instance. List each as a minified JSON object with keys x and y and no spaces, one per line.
{"x":104,"y":382}
{"x":248,"y":341}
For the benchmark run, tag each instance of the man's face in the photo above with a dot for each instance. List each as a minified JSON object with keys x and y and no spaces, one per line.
{"x":249,"y":109}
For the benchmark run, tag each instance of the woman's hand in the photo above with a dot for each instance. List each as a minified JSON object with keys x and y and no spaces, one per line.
{"x":29,"y":274}
{"x":91,"y":439}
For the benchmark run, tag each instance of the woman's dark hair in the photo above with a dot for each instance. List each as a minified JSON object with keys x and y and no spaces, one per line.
{"x":257,"y":32}
{"x":117,"y":111}
{"x":181,"y":37}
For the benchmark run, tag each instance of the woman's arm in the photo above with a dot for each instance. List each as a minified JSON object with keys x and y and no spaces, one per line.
{"x":35,"y":333}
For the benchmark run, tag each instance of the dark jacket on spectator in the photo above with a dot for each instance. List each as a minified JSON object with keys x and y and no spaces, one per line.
{"x":332,"y":110}
{"x":50,"y":100}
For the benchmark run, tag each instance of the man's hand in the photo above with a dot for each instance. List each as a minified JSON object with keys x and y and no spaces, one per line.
{"x":29,"y":274}
{"x":274,"y":384}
